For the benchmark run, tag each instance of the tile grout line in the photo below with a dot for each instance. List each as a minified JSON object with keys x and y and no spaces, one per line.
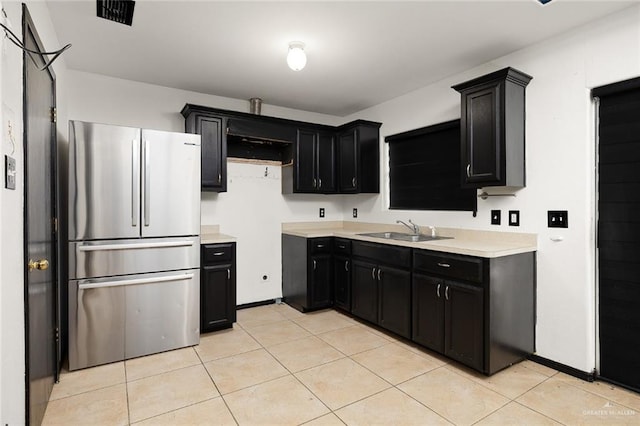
{"x":217,"y":389}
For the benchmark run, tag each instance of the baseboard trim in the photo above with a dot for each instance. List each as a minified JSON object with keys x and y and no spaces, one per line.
{"x":255,"y":304}
{"x":584,"y":375}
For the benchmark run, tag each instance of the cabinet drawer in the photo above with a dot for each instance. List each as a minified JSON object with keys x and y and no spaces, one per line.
{"x":320,"y":245}
{"x":342,"y":246}
{"x":448,"y":265}
{"x":216,"y":253}
{"x":382,"y":253}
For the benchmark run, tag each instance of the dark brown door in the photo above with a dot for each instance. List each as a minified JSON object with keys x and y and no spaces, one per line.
{"x":40,"y":243}
{"x":428,"y":311}
{"x":348,"y":162}
{"x":619,"y":232}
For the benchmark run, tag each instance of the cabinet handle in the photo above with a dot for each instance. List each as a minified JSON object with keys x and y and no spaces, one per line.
{"x":353,"y":182}
{"x":444,"y":265}
{"x":219,"y":177}
{"x":379,"y":270}
{"x":218,"y":253}
{"x":314,"y":182}
{"x":468,"y":170}
{"x":320,"y":246}
{"x":314,"y":265}
{"x":228,"y":274}
{"x":346,"y":265}
{"x":446,"y":293}
{"x":373,"y":273}
{"x":438,"y":291}
{"x":342,"y":247}
{"x":319,"y":183}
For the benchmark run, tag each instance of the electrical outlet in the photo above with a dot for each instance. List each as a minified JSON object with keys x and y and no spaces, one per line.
{"x":557,"y":219}
{"x":355,"y":212}
{"x":495,"y":217}
{"x":514,"y":217}
{"x":321,"y":211}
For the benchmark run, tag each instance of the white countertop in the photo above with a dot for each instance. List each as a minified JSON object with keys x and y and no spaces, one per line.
{"x":210,"y":234}
{"x":487,"y":244}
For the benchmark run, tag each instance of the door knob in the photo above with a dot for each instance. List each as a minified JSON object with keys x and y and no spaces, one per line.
{"x":41,"y":264}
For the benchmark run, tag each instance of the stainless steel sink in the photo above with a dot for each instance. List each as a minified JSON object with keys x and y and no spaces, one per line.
{"x":402,"y":236}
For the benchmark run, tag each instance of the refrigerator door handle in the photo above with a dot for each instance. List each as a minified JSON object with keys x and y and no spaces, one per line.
{"x":101,"y":247}
{"x":120,"y":283}
{"x":147,"y":182}
{"x":135,"y":182}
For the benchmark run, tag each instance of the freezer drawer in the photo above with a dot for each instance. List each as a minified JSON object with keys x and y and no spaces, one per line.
{"x":112,"y":319}
{"x":136,"y":256}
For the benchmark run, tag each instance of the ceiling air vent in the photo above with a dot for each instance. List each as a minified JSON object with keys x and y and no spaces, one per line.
{"x":116,"y":10}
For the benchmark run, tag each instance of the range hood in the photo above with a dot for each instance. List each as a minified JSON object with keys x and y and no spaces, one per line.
{"x":260,"y":140}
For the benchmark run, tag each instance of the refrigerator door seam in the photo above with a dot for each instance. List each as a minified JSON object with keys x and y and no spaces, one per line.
{"x":135,"y":246}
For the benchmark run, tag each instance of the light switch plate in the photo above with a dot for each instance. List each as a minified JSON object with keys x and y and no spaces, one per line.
{"x":557,"y":219}
{"x":9,"y":172}
{"x":495,"y":217}
{"x":321,"y":211}
{"x":514,"y":217}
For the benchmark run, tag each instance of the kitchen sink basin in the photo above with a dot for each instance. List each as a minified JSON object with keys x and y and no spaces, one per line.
{"x":402,"y":236}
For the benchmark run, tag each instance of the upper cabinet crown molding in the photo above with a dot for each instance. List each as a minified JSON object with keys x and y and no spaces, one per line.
{"x":493,"y":129}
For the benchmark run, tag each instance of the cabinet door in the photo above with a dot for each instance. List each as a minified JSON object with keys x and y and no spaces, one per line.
{"x":428,"y":312}
{"x":481,"y":136}
{"x":305,"y":163}
{"x":217,"y":297}
{"x":364,"y":291}
{"x":395,"y":300}
{"x":342,"y":283}
{"x":214,"y":153}
{"x":319,"y":291}
{"x":326,"y":170}
{"x":464,"y":324}
{"x":348,"y":161}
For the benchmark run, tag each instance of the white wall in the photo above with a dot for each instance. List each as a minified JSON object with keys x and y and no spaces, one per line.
{"x":12,"y":361}
{"x":560,"y":164}
{"x":252,"y":209}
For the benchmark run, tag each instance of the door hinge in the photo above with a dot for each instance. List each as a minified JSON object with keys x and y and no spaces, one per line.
{"x":56,"y":333}
{"x":54,"y":115}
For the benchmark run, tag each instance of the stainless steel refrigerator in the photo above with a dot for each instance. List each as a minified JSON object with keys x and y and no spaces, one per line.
{"x":134,"y":243}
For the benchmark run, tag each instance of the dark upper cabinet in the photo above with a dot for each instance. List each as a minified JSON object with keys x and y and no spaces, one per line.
{"x":493,"y":129}
{"x":217,"y":287}
{"x":314,"y":164}
{"x":212,"y":129}
{"x":359,"y":157}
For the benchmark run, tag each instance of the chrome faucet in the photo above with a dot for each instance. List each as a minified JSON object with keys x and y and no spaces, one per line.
{"x":414,"y":228}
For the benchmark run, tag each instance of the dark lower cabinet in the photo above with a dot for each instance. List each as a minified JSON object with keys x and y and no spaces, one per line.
{"x":307,"y":273}
{"x":394,"y":310}
{"x":478,"y":311}
{"x":217,"y":287}
{"x":463,"y":324}
{"x":428,"y":311}
{"x":342,"y":283}
{"x":381,"y":285}
{"x":364,"y":291}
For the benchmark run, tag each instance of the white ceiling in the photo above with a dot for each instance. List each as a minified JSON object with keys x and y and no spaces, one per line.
{"x":359,"y":53}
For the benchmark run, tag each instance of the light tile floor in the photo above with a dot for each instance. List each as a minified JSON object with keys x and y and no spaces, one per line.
{"x":280,"y":367}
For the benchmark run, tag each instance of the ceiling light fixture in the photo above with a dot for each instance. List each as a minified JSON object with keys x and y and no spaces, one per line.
{"x":296,"y":58}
